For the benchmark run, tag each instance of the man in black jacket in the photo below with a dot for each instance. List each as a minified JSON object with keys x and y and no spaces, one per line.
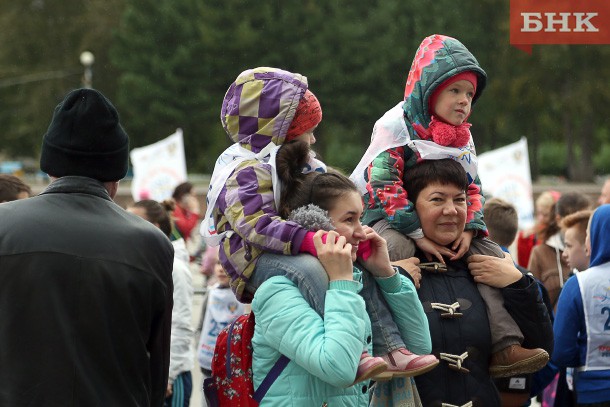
{"x":85,"y":287}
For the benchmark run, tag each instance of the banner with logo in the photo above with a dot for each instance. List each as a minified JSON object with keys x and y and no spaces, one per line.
{"x":559,"y":22}
{"x":505,"y":173}
{"x":158,"y":168}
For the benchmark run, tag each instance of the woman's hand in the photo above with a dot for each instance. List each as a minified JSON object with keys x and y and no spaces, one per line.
{"x":462,"y":244}
{"x":378,"y":263}
{"x":411,"y":266}
{"x":335,"y":255}
{"x":432,"y":249}
{"x":493,"y":271}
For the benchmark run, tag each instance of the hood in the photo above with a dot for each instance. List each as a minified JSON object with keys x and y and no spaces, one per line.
{"x":259,"y":106}
{"x":438,"y":58}
{"x":598,"y":235}
{"x":556,"y":242}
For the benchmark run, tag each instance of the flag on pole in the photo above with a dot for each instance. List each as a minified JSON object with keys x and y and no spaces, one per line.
{"x":158,"y":168}
{"x":505,"y":173}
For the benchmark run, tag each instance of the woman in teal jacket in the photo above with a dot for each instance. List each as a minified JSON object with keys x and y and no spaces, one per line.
{"x":324,"y":352}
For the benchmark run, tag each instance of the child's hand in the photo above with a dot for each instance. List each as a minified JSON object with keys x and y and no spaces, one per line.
{"x":411,"y":266}
{"x":462,"y":244}
{"x":378,"y":262}
{"x":335,"y":255}
{"x":432,"y":249}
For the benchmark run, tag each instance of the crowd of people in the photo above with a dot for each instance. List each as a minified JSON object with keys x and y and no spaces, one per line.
{"x":392,"y":286}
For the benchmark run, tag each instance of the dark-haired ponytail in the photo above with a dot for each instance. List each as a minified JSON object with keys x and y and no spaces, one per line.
{"x":299,"y":189}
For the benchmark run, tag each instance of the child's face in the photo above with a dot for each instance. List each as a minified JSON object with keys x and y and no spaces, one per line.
{"x":308,"y":136}
{"x":575,"y":253}
{"x":454,"y":102}
{"x":220,"y":274}
{"x":345,"y":217}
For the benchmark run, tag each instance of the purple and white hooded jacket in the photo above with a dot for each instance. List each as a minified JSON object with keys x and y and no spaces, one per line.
{"x":257,"y":111}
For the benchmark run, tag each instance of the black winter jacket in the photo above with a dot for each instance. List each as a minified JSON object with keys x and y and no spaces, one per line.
{"x":470,"y":333}
{"x":85,"y":301}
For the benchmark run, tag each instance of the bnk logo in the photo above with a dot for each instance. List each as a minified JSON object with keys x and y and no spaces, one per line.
{"x":563,"y":22}
{"x":559,"y":22}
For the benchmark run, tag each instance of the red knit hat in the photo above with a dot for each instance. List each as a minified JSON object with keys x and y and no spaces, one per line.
{"x":466,"y":76}
{"x":308,"y":115}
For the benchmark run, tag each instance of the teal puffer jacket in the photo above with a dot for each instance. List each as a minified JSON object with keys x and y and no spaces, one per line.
{"x":324,"y":353}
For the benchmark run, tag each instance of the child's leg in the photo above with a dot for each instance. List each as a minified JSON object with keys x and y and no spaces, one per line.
{"x":482,"y":245}
{"x":399,"y":246}
{"x":386,"y":336}
{"x":508,"y":357}
{"x":504,"y":329}
{"x":387,"y":341}
{"x":304,"y":270}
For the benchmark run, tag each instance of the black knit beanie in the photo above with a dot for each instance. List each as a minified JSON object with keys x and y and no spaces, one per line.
{"x":85,"y":138}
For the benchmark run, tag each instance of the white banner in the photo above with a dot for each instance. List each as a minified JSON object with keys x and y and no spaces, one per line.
{"x":158,"y":168}
{"x":505,"y":173}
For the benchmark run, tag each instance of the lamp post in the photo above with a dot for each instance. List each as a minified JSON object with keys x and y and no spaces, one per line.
{"x":87,"y":59}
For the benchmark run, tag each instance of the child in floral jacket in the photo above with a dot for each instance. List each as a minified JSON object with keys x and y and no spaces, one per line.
{"x":443,"y":84}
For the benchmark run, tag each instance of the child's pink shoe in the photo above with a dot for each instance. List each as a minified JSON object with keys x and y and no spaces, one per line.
{"x":403,"y":363}
{"x":369,"y":366}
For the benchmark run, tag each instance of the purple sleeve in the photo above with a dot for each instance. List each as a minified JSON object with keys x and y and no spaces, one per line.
{"x":249,"y":208}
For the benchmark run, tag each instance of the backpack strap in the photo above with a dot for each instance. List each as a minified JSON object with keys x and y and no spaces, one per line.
{"x":273,"y":374}
{"x":228,"y":356}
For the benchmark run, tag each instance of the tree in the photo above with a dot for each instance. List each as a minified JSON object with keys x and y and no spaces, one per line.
{"x":39,"y":64}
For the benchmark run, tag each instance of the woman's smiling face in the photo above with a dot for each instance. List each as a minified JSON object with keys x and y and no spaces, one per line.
{"x":345,"y":217}
{"x":441,"y":209}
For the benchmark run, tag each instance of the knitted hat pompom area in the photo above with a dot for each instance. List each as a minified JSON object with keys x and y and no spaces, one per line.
{"x":85,"y":139}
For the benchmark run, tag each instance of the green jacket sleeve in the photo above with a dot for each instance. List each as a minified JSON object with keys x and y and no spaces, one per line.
{"x":474,"y":212}
{"x":386,"y":197}
{"x":408,"y":312}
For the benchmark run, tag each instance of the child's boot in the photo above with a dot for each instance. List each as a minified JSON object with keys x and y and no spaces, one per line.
{"x":401,"y":362}
{"x":515,"y":360}
{"x":369,"y":366}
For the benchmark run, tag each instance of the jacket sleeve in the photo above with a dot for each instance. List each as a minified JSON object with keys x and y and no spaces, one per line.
{"x":474,"y":212}
{"x":568,"y":321}
{"x":182,"y":334}
{"x":328,"y":348}
{"x":387,"y":197}
{"x":528,"y":310}
{"x":250,"y":209}
{"x":159,"y":342}
{"x":407,"y":312}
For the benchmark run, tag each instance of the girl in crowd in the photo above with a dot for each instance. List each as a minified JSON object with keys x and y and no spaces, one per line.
{"x":544,"y":227}
{"x":325,"y":351}
{"x":186,"y":210}
{"x":180,"y":383}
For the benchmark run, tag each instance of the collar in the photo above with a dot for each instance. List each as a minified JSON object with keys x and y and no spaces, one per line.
{"x":72,"y":184}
